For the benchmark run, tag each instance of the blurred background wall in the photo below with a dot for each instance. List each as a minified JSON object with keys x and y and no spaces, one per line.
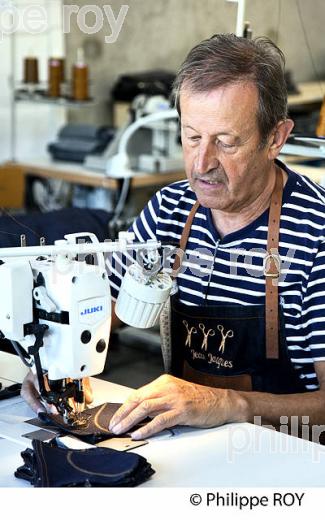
{"x":159,"y":33}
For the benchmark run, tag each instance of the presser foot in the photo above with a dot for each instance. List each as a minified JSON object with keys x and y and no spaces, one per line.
{"x":75,"y":419}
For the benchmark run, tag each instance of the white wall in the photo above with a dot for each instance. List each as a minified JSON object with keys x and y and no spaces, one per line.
{"x":4,"y":99}
{"x":36,"y":125}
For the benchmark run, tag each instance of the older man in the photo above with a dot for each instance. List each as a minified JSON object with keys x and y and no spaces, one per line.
{"x":247,"y":327}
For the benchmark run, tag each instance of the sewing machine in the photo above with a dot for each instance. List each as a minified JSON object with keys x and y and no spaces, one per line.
{"x":56,"y":308}
{"x":148,"y":142}
{"x":309,"y":147}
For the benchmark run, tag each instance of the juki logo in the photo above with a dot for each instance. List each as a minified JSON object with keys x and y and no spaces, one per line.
{"x":91,"y":310}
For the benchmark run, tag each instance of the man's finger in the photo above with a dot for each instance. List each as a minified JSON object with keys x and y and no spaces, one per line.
{"x":147,"y":392}
{"x":137,"y":414}
{"x":30,"y":393}
{"x":124,"y":410}
{"x":31,"y":396}
{"x":88,"y":391}
{"x":159,"y":423}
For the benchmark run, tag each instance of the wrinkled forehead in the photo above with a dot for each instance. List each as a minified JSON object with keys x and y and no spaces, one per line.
{"x":232,"y":107}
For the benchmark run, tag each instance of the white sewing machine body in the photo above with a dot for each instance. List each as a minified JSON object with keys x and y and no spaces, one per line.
{"x":56,"y":307}
{"x":72,"y":298}
{"x":80,"y":297}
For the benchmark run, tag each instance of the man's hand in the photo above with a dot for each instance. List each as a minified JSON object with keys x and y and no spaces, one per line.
{"x":30,"y":393}
{"x":172,"y":401}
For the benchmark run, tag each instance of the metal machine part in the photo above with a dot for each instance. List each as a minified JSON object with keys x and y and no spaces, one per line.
{"x":311,"y":147}
{"x":57,"y":311}
{"x":149,"y":142}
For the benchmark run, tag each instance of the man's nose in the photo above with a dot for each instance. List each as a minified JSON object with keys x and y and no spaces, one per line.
{"x":206,"y":158}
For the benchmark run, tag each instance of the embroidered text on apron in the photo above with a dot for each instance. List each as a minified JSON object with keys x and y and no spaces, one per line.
{"x":236,"y":346}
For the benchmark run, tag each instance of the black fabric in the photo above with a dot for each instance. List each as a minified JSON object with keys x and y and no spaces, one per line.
{"x":150,"y":83}
{"x":48,"y":465}
{"x":76,"y":141}
{"x":229,"y":340}
{"x":97,"y":421}
{"x":53,"y":225}
{"x":10,"y":391}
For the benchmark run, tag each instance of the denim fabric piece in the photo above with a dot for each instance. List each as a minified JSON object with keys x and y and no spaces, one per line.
{"x":48,"y":465}
{"x":96,"y":430}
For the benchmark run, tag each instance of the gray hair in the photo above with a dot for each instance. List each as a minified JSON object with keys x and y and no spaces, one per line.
{"x":226,"y":59}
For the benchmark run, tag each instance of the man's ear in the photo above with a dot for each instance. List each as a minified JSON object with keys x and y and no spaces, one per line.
{"x":278,"y":137}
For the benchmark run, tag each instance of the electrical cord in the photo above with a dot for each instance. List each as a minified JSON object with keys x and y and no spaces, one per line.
{"x":22,"y":354}
{"x":122,"y":199}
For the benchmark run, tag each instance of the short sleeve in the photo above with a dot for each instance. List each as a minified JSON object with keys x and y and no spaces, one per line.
{"x":313,"y":310}
{"x":144,"y":228}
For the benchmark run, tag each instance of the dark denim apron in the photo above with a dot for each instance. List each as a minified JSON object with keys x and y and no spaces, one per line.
{"x":225,"y":345}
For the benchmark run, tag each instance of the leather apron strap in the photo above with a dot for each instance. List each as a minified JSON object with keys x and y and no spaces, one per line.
{"x":183,"y":241}
{"x":272,"y":268}
{"x":272,"y":265}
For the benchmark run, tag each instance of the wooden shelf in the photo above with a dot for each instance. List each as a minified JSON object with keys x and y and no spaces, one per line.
{"x":26,"y":97}
{"x":74,"y":174}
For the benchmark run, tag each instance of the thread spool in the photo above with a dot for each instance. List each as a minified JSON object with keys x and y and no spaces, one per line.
{"x":80,"y":79}
{"x":56,"y":76}
{"x":320,"y":130}
{"x":31,"y":70}
{"x":61,"y":62}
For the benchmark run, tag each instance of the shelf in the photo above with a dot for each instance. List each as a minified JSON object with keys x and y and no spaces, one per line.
{"x":42,"y":99}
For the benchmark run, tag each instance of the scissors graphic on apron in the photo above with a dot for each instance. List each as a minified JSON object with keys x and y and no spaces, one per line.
{"x":235,"y":346}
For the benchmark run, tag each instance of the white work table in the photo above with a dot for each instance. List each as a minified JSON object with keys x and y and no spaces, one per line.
{"x":234,"y":455}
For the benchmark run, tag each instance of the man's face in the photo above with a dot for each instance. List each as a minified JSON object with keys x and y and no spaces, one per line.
{"x":224,"y":161}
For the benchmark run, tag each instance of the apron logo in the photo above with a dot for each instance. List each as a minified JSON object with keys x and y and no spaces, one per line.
{"x":210,"y":332}
{"x":206,"y":334}
{"x":229,"y":334}
{"x":190,"y":331}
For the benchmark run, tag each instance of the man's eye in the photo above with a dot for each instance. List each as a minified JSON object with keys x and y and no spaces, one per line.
{"x":226,"y":145}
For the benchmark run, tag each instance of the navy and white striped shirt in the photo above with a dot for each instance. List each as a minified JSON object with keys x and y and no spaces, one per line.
{"x":230,"y":270}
